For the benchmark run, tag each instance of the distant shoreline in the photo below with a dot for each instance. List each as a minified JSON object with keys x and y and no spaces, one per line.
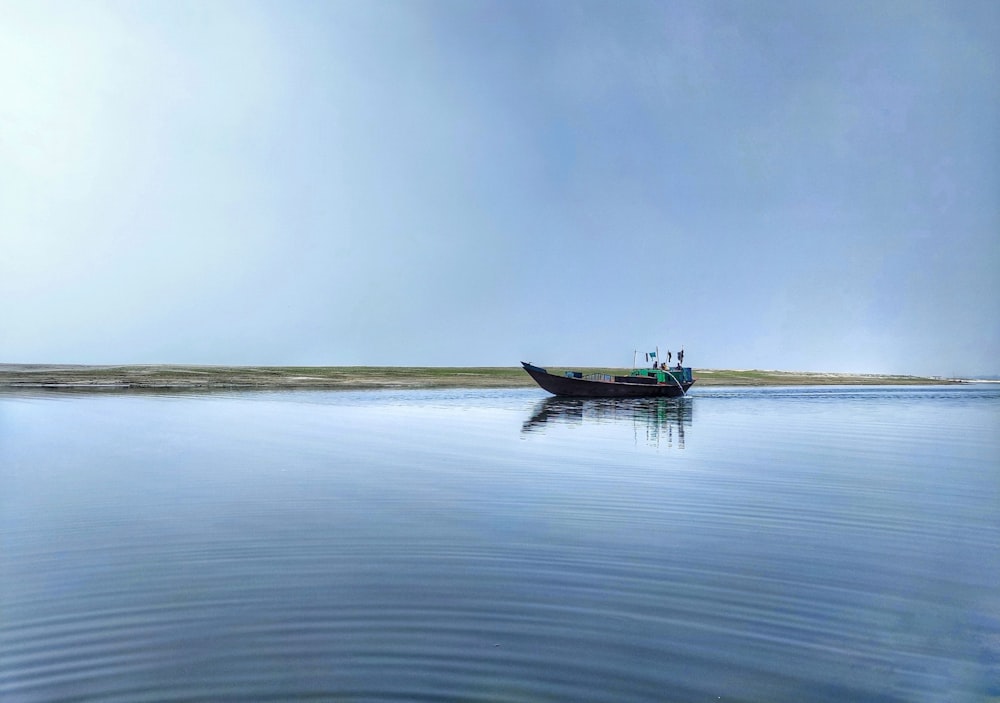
{"x":194,"y":378}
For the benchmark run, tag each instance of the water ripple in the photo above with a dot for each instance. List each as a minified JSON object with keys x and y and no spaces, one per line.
{"x":804,"y":545}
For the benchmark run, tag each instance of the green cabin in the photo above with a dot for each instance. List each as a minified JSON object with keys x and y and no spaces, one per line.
{"x":682,"y":375}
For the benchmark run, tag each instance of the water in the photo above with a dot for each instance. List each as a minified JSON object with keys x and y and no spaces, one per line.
{"x":812,"y":544}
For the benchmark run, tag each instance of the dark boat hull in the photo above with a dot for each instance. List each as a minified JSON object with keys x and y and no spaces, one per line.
{"x":584,"y":388}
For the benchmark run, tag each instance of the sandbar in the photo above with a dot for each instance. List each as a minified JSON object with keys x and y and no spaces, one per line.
{"x":169,"y":377}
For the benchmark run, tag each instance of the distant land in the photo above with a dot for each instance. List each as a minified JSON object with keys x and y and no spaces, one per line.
{"x":197,"y":378}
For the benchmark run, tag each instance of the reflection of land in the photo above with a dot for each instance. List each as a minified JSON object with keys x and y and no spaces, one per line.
{"x":661,"y":418}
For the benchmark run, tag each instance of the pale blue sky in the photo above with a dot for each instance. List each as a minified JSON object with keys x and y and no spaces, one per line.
{"x":795,"y":185}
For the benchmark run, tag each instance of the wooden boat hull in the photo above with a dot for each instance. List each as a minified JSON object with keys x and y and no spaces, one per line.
{"x":585,"y":388}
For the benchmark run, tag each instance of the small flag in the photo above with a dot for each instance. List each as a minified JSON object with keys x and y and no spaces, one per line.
{"x":651,"y":355}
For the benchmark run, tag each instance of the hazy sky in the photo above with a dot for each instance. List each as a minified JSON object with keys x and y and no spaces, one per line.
{"x":797,"y":185}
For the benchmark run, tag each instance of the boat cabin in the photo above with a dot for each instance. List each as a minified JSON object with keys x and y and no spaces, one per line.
{"x":682,"y":375}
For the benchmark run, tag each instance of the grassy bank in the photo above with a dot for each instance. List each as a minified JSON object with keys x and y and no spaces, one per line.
{"x":170,"y":377}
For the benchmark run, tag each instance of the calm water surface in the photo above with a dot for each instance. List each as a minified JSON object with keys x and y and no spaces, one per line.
{"x":809,"y":544}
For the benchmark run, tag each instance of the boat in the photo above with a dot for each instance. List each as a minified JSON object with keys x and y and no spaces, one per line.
{"x":639,"y":383}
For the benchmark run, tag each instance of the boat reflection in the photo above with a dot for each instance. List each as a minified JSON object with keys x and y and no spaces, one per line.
{"x":661,"y":418}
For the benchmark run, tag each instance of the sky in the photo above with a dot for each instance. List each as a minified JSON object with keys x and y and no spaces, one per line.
{"x":796,"y":185}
